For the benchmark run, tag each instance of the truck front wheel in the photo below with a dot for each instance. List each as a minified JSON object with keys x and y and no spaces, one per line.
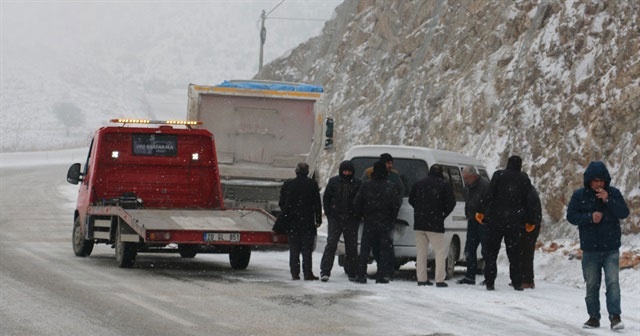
{"x":81,"y":246}
{"x":239,"y":257}
{"x":125,"y":251}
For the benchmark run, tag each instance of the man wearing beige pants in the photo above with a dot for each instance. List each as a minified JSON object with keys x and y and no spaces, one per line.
{"x":432,"y":200}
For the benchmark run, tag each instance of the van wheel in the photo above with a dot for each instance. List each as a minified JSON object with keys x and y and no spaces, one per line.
{"x":125,"y":251}
{"x":81,"y":246}
{"x":452,"y":257}
{"x":187,"y":251}
{"x":239,"y":257}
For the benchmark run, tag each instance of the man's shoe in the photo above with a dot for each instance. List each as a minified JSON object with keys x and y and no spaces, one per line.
{"x":352,"y":279}
{"x":441,"y":284}
{"x":592,"y":323}
{"x":616,"y":323}
{"x":361,"y":280}
{"x":310,"y":277}
{"x":425,"y":283}
{"x":490,"y":286}
{"x":530,"y":285}
{"x":382,"y":281}
{"x":466,"y":281}
{"x":295,"y":277}
{"x":518,"y":288}
{"x":324,"y":278}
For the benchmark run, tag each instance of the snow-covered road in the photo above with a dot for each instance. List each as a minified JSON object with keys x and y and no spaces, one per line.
{"x":46,"y":290}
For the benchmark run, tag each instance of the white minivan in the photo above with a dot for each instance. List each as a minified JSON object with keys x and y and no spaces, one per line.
{"x":413,"y":164}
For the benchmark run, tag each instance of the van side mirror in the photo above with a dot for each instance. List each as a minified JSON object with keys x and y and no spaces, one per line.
{"x":73,"y":174}
{"x":328,"y":142}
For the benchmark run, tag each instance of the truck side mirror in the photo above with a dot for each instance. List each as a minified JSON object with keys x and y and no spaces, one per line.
{"x":73,"y":174}
{"x":328,"y":142}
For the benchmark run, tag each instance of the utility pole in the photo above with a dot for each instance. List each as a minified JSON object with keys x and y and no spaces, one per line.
{"x":263,"y":37}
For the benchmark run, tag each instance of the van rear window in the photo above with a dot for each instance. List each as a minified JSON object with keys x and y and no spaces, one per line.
{"x":155,"y":144}
{"x":410,"y":170}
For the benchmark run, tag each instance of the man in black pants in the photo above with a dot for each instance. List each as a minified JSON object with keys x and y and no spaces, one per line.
{"x":378,"y":203}
{"x":476,"y":188}
{"x":505,"y":217}
{"x":301,"y":206}
{"x":338,"y":207}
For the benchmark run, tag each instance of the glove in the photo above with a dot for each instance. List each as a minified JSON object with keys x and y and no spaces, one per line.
{"x":529,"y":227}
{"x":479,"y":217}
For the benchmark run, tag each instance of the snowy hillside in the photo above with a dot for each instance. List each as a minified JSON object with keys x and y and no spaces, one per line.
{"x":68,"y":67}
{"x":557,"y":82}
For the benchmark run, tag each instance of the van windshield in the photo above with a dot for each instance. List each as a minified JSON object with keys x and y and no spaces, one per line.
{"x":410,"y":170}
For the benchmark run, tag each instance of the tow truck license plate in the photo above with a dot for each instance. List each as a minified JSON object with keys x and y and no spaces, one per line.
{"x":225,"y":237}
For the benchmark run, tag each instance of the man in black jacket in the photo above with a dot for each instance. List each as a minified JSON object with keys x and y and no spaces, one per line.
{"x":378,"y":203}
{"x":529,"y":238}
{"x":301,"y":206}
{"x":337,"y":200}
{"x":505,"y":217}
{"x":432,"y":200}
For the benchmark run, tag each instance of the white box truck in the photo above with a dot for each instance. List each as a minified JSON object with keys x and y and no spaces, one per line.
{"x":262,"y":130}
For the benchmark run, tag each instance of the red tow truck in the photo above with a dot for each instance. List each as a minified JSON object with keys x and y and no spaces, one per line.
{"x":156,"y":188}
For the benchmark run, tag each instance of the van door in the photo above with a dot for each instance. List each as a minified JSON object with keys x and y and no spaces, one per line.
{"x":456,"y":223}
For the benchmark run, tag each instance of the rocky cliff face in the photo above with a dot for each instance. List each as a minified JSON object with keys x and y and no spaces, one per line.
{"x":556,"y":82}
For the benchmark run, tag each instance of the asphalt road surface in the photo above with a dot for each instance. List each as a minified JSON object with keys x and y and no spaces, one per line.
{"x":46,"y":290}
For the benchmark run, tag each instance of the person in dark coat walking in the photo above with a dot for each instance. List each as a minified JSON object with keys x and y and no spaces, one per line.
{"x":505,"y":217}
{"x":432,"y":200}
{"x":378,"y":204}
{"x":529,"y":238}
{"x":476,"y":188}
{"x":338,"y":205}
{"x":301,"y":206}
{"x":597,"y":209}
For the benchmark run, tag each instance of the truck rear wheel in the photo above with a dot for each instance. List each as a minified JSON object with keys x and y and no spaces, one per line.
{"x":81,"y":246}
{"x":239,"y":257}
{"x":187,"y":251}
{"x":125,"y":251}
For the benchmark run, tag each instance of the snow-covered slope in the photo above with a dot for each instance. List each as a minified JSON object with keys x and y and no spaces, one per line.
{"x":557,"y":82}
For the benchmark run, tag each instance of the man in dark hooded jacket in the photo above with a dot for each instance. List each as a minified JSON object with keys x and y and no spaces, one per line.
{"x":338,"y":205}
{"x":529,"y":238}
{"x":597,"y":209}
{"x":505,"y":217}
{"x":432,"y":200}
{"x":300,"y":204}
{"x":378,"y":203}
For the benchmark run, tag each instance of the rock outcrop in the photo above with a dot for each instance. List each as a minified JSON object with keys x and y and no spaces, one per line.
{"x":557,"y":82}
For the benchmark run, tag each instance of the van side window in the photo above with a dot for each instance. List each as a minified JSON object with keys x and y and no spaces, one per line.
{"x":452,"y":174}
{"x":483,"y":173}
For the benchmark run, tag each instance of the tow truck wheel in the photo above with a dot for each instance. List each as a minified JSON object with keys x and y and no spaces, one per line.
{"x":81,"y":246}
{"x":125,"y":251}
{"x":187,"y":251}
{"x":452,"y":257}
{"x":239,"y":257}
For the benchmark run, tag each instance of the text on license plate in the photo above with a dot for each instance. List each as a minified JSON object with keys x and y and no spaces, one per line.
{"x":225,"y":237}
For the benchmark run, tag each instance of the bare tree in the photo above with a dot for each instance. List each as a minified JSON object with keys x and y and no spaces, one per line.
{"x":69,"y":115}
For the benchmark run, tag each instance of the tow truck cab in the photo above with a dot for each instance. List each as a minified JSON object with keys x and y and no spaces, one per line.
{"x":146,"y":189}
